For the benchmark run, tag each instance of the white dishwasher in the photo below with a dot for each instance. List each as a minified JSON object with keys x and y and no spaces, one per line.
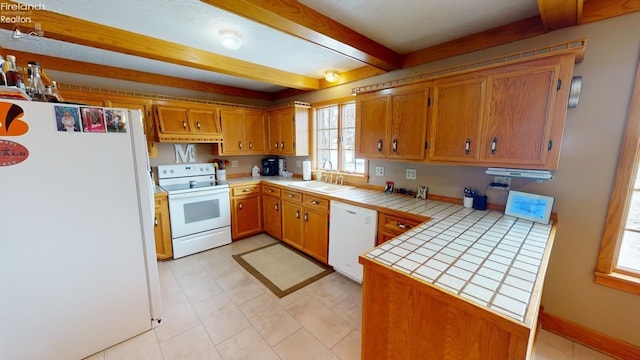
{"x":352,"y":231}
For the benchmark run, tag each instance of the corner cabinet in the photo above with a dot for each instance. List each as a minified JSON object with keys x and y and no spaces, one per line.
{"x":244,"y":132}
{"x":188,"y":124}
{"x":392,"y":123}
{"x":289,"y":130}
{"x":162,"y":227}
{"x":507,"y":116}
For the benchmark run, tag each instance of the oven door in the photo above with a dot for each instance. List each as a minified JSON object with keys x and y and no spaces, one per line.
{"x":198,"y":211}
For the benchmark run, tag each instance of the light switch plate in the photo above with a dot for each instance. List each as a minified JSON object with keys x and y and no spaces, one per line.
{"x":234,"y":163}
{"x":411,"y":174}
{"x":379,"y":170}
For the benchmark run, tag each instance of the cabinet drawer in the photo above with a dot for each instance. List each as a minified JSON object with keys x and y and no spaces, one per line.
{"x":292,"y":196}
{"x":245,"y":190}
{"x":313,"y":202}
{"x":395,"y":224}
{"x":270,"y":190}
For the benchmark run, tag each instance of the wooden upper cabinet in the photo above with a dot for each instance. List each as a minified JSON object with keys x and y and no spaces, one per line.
{"x":188,"y":123}
{"x":454,"y":129}
{"x":144,"y":105}
{"x":244,"y":132}
{"x":392,"y":123}
{"x":516,"y":128}
{"x":289,"y":131}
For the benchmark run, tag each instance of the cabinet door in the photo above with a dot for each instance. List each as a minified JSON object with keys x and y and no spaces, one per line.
{"x":456,"y":115}
{"x":255,"y":132}
{"x":315,"y":236}
{"x":272,"y":218}
{"x":248,"y":217}
{"x":292,"y":224}
{"x":173,"y":120}
{"x":205,"y":121}
{"x":144,"y":106}
{"x":371,"y":125}
{"x":408,"y":123}
{"x":162,"y":229}
{"x":232,"y":132}
{"x":276,"y":121}
{"x":518,"y":114}
{"x":287,"y":132}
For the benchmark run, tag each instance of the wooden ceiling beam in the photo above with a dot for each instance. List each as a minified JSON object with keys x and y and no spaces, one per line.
{"x":77,"y":31}
{"x":558,"y":14}
{"x":110,"y":72}
{"x":305,"y":23}
{"x":596,"y":10}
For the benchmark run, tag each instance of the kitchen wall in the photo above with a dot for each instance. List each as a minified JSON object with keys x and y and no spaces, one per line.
{"x":582,"y":185}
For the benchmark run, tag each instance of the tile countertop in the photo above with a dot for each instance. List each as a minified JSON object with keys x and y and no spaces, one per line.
{"x":486,"y":257}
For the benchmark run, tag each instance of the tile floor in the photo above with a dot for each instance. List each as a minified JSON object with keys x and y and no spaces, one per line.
{"x":214,"y":309}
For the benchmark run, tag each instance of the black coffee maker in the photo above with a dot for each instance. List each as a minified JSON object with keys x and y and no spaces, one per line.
{"x":270,"y":166}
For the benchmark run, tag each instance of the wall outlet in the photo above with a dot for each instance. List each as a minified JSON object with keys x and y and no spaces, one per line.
{"x":298,"y":163}
{"x":411,"y":174}
{"x":379,"y":170}
{"x":504,"y":180}
{"x":234,"y":163}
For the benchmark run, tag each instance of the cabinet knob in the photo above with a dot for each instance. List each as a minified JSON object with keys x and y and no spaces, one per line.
{"x":394,"y":145}
{"x":246,"y":190}
{"x":240,"y":145}
{"x":276,"y":145}
{"x":184,"y":124}
{"x":314,"y":202}
{"x":467,"y":146}
{"x":291,"y":196}
{"x":306,"y":216}
{"x":403,"y":226}
{"x":297,"y":214}
{"x":155,"y":221}
{"x":494,"y":145}
{"x":270,"y":190}
{"x":198,"y":125}
{"x":380,"y":145}
{"x":282,"y":145}
{"x":277,"y":207}
{"x":250,"y":145}
{"x":240,"y":206}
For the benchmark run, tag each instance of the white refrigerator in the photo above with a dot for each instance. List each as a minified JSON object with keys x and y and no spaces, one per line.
{"x":78,"y":271}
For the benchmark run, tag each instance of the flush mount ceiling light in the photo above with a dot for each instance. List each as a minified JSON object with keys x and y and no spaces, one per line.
{"x":331,"y":76}
{"x":230,"y":39}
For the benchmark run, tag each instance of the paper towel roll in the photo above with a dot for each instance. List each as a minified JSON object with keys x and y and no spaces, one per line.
{"x":306,"y":170}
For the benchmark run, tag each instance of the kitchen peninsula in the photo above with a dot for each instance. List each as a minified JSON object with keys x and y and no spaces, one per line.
{"x":465,"y":284}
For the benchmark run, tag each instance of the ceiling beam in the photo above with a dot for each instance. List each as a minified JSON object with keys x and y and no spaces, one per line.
{"x":303,"y":22}
{"x":77,"y":31}
{"x":558,"y":14}
{"x":110,"y":72}
{"x":483,"y":40}
{"x":596,"y":10}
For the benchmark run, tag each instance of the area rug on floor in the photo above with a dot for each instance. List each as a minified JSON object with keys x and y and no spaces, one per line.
{"x":282,"y":269}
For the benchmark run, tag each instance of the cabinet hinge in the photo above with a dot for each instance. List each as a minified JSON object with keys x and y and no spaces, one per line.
{"x":559,"y":84}
{"x":549,"y":145}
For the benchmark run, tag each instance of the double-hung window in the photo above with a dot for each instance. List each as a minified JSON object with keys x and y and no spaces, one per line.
{"x":334,"y":140}
{"x":619,"y":259}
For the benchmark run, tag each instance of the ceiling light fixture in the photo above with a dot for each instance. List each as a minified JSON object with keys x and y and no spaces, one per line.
{"x":230,"y":39}
{"x":331,"y":76}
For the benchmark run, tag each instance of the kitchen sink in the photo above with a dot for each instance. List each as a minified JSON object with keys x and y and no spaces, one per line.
{"x":321,"y":187}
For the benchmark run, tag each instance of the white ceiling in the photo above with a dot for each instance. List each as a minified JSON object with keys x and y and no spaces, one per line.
{"x":402,"y":25}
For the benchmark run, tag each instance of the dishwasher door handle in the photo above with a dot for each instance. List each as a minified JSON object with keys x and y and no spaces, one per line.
{"x":352,"y":212}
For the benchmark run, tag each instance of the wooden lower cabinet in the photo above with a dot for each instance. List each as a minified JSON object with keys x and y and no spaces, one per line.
{"x":246,"y":211}
{"x":305,"y":223}
{"x":404,"y":318}
{"x":272,"y":215}
{"x":162,"y":227}
{"x":390,"y":226}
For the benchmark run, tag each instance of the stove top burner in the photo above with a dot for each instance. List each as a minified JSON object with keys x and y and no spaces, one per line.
{"x":198,"y":186}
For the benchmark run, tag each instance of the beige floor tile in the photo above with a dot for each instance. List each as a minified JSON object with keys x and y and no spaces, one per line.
{"x":303,"y":345}
{"x":319,"y":321}
{"x":350,"y":310}
{"x":329,"y":290}
{"x":185,"y":265}
{"x":349,"y":348}
{"x":193,"y":344}
{"x":240,"y":286}
{"x":98,"y":356}
{"x":221,"y":317}
{"x":218,"y":264}
{"x":585,"y":353}
{"x":260,"y":306}
{"x":246,"y":345}
{"x":270,"y":319}
{"x":199,"y":286}
{"x":142,"y":347}
{"x":176,"y":319}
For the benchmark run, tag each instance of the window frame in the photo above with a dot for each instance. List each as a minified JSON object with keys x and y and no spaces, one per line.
{"x":348,"y":177}
{"x":606,"y":272}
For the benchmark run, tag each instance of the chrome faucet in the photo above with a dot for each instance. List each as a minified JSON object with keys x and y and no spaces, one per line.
{"x":330,"y":169}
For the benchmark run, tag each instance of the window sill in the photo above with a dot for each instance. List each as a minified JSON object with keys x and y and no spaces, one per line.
{"x":619,"y":281}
